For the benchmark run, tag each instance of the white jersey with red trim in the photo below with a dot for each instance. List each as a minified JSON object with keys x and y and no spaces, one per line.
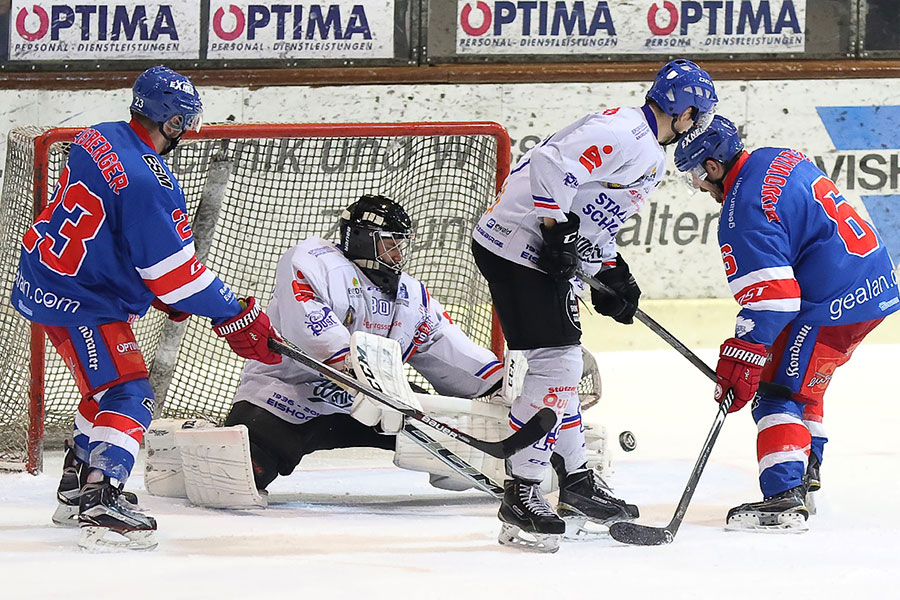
{"x":320,"y":299}
{"x":601,"y":167}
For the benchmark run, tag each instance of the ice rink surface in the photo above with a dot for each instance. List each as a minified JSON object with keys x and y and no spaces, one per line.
{"x":345,"y":525}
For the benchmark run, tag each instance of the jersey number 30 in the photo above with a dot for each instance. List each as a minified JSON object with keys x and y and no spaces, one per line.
{"x":62,"y":249}
{"x":858,"y":236}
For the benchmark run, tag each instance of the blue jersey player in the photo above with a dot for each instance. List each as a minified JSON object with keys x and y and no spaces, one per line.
{"x":813,"y":278}
{"x":113,"y":240}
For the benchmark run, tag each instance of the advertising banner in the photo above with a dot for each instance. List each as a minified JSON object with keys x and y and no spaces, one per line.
{"x":630,"y":26}
{"x":43,"y":30}
{"x":333,"y":29}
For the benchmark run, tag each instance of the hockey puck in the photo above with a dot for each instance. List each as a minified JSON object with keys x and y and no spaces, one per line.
{"x":627,"y":441}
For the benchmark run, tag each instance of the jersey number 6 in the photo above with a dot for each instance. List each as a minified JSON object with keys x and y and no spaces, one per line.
{"x":858,"y":236}
{"x":74,"y":227}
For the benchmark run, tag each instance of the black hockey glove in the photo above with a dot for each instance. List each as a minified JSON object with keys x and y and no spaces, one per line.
{"x":622,"y":305}
{"x":559,"y":257}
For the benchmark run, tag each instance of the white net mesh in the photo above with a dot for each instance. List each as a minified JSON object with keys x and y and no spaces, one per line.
{"x":251,"y":197}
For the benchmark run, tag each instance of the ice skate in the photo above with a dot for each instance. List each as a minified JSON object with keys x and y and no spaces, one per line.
{"x":585,"y":501}
{"x":812,"y":482}
{"x":528,"y":521}
{"x":781,"y":513}
{"x":69,"y":491}
{"x":109,"y":522}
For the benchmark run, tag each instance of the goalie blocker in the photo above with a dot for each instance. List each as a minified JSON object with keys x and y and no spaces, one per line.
{"x":226,"y":451}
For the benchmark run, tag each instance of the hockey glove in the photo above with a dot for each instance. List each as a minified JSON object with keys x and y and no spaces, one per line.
{"x":173,"y":314}
{"x":739,"y":368}
{"x":622,"y":305}
{"x":248,"y":333}
{"x":559,"y":257}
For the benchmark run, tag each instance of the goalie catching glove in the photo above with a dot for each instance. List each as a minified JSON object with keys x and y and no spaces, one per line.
{"x":739,"y":368}
{"x":248,"y":333}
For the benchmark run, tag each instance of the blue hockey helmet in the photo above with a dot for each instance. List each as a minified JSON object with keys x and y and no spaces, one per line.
{"x":167,"y":97}
{"x":680,"y":85}
{"x":720,"y":141}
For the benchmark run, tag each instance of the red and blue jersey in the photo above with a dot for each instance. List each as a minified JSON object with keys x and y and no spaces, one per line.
{"x":795,"y":249}
{"x":114,"y":236}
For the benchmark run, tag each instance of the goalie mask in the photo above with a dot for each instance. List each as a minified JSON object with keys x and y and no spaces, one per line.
{"x":376,"y":234}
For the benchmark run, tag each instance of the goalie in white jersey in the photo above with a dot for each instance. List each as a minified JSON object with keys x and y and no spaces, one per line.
{"x":560,"y":209}
{"x":324,"y":292}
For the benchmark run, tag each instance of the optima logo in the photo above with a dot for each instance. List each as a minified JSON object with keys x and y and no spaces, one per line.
{"x":292,"y":22}
{"x":536,"y":18}
{"x":724,"y":17}
{"x":96,"y":22}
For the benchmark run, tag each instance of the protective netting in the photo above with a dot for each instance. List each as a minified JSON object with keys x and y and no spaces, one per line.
{"x":250,"y":199}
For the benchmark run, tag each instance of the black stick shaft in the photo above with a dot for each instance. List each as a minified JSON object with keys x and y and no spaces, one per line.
{"x":532,"y":431}
{"x":766,"y":387}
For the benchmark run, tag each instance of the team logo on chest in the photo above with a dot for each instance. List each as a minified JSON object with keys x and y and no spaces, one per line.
{"x":318,"y":321}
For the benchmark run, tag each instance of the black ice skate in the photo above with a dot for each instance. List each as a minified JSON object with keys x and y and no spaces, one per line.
{"x":781,"y":513}
{"x":69,"y":491}
{"x":585,"y":498}
{"x":528,"y":521}
{"x":109,"y":522}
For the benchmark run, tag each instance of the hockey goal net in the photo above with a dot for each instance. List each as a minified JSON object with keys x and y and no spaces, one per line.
{"x":252,"y":192}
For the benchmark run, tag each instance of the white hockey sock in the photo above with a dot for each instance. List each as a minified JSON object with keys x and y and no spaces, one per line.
{"x":570,"y":442}
{"x":551,"y":381}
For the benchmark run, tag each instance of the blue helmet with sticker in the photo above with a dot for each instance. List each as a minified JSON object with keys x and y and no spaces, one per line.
{"x":167,"y":97}
{"x":680,"y":85}
{"x":720,"y":141}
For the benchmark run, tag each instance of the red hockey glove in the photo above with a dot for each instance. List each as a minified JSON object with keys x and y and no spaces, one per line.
{"x":173,"y":314}
{"x":248,"y":333}
{"x":740,"y":364}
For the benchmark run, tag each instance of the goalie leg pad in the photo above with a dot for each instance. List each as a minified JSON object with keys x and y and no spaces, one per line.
{"x":218,"y":471}
{"x":163,"y":473}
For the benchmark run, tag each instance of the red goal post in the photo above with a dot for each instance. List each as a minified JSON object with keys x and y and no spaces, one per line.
{"x":253,"y":191}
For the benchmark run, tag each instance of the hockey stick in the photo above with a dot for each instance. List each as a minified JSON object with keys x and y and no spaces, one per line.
{"x":446,"y":456}
{"x":644,"y":535}
{"x":534,"y":429}
{"x":766,"y":387}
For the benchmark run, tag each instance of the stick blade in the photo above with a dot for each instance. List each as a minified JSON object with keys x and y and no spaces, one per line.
{"x":640,"y":535}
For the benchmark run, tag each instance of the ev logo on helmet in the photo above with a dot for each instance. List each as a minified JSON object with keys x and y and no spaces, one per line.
{"x":182,"y":86}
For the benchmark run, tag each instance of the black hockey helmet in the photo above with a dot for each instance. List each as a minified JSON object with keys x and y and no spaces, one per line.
{"x":376,"y":234}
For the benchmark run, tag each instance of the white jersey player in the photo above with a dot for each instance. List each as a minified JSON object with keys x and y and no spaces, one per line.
{"x":560,"y":209}
{"x":324,"y":292}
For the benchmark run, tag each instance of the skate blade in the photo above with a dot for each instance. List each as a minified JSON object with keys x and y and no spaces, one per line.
{"x":582,"y":529}
{"x":65,"y":515}
{"x":785,"y":523}
{"x":513,"y":536}
{"x":104,"y":539}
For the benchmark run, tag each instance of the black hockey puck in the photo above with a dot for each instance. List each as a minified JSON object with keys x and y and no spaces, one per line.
{"x":627,"y":441}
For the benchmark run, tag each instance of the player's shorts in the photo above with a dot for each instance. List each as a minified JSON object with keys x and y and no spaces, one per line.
{"x":804,"y":357}
{"x":99,"y":356}
{"x":277,"y":446}
{"x":535,"y":310}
